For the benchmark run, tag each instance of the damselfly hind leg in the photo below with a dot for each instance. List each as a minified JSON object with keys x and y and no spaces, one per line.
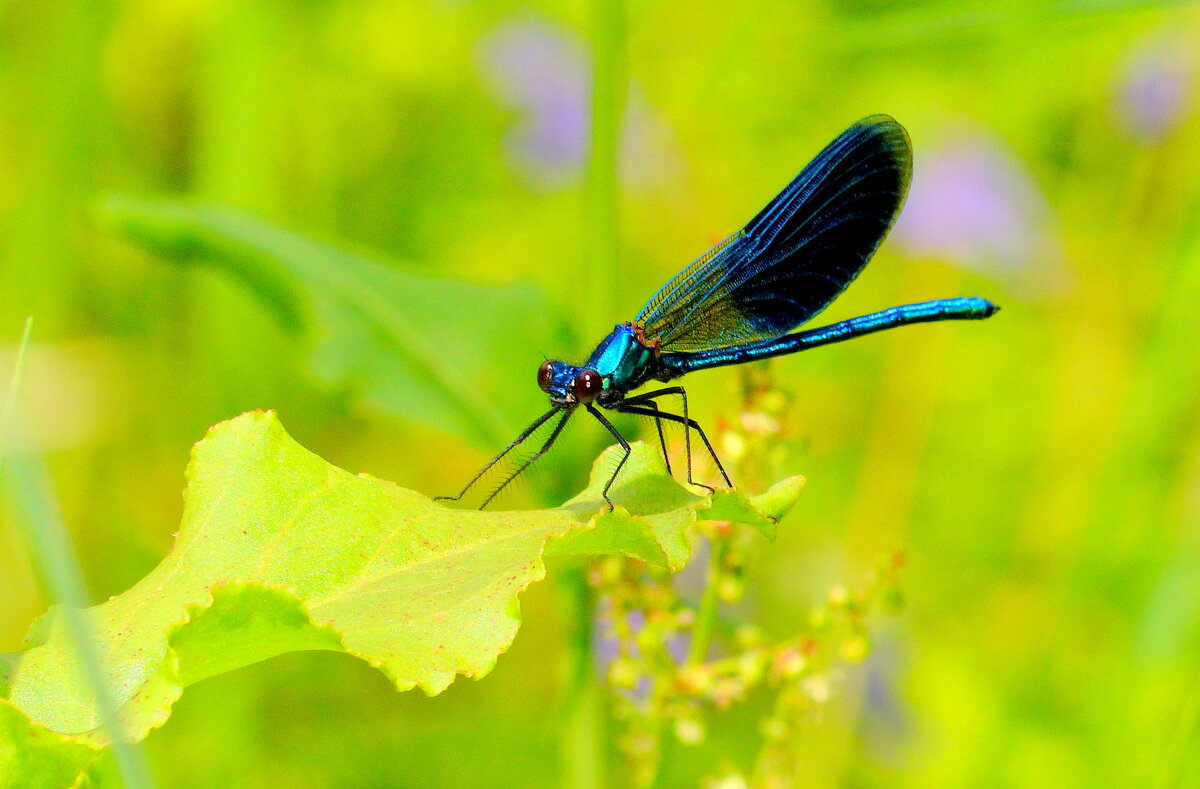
{"x":662,"y":442}
{"x":645,"y":405}
{"x":662,"y":438}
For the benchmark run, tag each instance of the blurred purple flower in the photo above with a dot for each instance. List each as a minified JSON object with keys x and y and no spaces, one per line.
{"x":973,"y":203}
{"x":604,"y":640}
{"x":1154,"y":88}
{"x":543,"y":72}
{"x":677,"y":647}
{"x":605,"y":648}
{"x":886,"y":724}
{"x":536,"y":68}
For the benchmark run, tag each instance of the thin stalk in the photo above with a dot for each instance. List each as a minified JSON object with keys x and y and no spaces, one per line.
{"x":14,"y":386}
{"x":602,"y":198}
{"x":706,"y":617}
{"x":584,"y":734}
{"x":584,"y":725}
{"x":1173,"y":767}
{"x":41,"y":525}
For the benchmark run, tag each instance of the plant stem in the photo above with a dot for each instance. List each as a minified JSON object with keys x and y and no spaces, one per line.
{"x":584,"y":737}
{"x":59,"y":574}
{"x":14,"y":386}
{"x":1171,"y":774}
{"x":602,"y":199}
{"x":584,"y":729}
{"x":707,"y":615}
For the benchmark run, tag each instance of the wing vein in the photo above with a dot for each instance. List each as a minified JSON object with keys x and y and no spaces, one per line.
{"x":797,"y":254}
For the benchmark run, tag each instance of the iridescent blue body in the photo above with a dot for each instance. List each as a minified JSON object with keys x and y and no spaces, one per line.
{"x":965,"y":308}
{"x":743,"y":300}
{"x":623,"y":360}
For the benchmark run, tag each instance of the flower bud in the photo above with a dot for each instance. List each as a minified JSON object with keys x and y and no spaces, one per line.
{"x":689,"y":731}
{"x":856,"y":648}
{"x":624,"y":672}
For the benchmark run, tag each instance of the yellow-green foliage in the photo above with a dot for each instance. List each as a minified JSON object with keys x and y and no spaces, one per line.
{"x":280,"y":552}
{"x":1038,"y":470}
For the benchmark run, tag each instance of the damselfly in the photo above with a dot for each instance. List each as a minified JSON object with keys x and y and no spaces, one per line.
{"x":742,"y":299}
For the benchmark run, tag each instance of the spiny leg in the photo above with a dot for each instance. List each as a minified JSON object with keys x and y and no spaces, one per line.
{"x":662,"y":442}
{"x":649,"y":397}
{"x":624,"y":445}
{"x":529,"y":460}
{"x":541,"y":420}
{"x":662,"y":439}
{"x":687,"y":423}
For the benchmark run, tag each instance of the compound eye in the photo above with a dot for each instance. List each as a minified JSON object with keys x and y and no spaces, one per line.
{"x":587,"y":385}
{"x":545,"y":375}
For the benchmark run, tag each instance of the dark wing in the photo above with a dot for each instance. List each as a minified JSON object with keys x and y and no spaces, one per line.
{"x":792,"y":259}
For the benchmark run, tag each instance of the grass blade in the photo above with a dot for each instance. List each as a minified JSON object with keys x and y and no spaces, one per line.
{"x":41,"y":526}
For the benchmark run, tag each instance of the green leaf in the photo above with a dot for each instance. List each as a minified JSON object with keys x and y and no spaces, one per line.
{"x":373,"y":328}
{"x":733,"y":506}
{"x":665,"y":509}
{"x":32,"y":757}
{"x":280,"y":551}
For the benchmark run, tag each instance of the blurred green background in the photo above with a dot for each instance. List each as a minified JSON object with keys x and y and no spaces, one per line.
{"x":1041,"y":470}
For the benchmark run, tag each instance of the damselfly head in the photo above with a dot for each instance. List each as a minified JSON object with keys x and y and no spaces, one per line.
{"x":568,"y":385}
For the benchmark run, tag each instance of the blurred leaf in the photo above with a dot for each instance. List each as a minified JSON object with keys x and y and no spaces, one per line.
{"x":280,"y":551}
{"x":435,"y":350}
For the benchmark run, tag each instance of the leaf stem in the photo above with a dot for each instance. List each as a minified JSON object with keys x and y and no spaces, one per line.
{"x":707,"y":615}
{"x":59,"y":574}
{"x":584,"y":733}
{"x":584,"y":729}
{"x":602,"y":197}
{"x":14,"y":386}
{"x":1173,"y":766}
